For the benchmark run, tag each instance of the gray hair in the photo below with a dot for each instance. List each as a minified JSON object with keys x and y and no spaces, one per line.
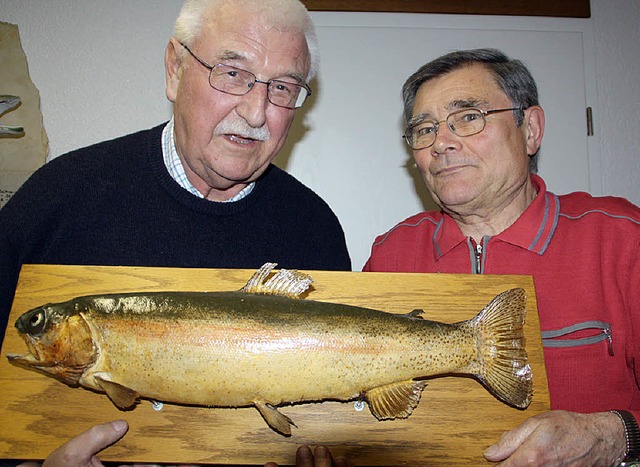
{"x":511,"y":76}
{"x":288,"y":15}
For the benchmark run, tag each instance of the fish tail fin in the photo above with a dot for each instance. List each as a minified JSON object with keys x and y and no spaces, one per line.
{"x":502,"y":357}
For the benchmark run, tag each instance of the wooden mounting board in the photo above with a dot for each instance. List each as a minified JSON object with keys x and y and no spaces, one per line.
{"x":457,"y":418}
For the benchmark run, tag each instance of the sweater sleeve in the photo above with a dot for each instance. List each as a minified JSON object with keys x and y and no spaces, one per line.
{"x":9,"y":269}
{"x":9,"y":259}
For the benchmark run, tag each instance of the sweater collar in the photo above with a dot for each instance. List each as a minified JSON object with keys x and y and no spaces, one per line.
{"x":532,"y":231}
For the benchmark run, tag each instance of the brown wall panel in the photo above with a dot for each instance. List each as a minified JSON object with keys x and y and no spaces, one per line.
{"x":560,"y":8}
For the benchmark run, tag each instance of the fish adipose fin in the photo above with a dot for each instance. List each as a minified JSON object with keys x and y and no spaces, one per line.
{"x":395,"y":400}
{"x":415,"y":314}
{"x":503,"y":365}
{"x":121,"y":396}
{"x":286,"y":283}
{"x":276,"y":420}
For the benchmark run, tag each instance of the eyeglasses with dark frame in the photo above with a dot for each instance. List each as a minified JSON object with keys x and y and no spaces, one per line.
{"x":238,"y":82}
{"x":463,"y":122}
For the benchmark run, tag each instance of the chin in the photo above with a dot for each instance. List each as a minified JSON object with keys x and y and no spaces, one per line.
{"x":455,"y":198}
{"x":236,"y":177}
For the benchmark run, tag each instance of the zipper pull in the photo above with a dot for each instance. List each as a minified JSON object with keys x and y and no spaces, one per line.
{"x":607,"y":333}
{"x":478,"y":258}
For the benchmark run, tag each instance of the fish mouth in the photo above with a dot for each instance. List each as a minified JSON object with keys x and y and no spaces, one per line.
{"x":28,"y":360}
{"x":33,"y":358}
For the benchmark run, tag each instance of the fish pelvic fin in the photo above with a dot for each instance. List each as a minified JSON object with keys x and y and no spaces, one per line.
{"x":396,"y":400}
{"x":276,"y":420}
{"x":285,"y":283}
{"x":503,"y":363}
{"x":123,"y":397}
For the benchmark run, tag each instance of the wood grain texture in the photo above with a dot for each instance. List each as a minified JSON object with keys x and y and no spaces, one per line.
{"x":559,"y":8}
{"x":457,"y":418}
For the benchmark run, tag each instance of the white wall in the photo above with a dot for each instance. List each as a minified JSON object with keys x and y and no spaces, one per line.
{"x":99,"y":69}
{"x":617,"y":45}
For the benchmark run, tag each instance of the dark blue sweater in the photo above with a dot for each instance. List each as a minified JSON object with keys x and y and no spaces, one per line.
{"x":114,"y":203}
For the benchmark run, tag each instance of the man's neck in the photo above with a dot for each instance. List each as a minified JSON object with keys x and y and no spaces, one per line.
{"x":231,"y":194}
{"x":492,"y":220}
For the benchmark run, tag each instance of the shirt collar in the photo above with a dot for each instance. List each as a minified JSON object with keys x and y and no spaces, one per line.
{"x":174,"y":165}
{"x":532,"y":231}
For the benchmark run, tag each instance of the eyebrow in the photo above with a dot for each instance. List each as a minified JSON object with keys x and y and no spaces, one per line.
{"x":226,"y":55}
{"x":466,"y":103}
{"x":230,"y":55}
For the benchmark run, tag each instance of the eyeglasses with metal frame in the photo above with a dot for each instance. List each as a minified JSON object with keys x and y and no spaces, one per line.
{"x":238,"y":82}
{"x":463,"y":122}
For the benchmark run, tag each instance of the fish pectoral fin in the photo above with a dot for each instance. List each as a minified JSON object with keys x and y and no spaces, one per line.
{"x":276,"y":420}
{"x":121,"y":396}
{"x":396,"y":400}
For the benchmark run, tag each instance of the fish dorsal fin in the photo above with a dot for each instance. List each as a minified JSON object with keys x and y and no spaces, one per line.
{"x":396,"y":400}
{"x":285,"y":283}
{"x":121,"y":396}
{"x":276,"y":420}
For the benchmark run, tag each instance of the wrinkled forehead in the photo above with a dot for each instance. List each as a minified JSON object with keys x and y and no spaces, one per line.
{"x":246,"y":35}
{"x":465,"y":87}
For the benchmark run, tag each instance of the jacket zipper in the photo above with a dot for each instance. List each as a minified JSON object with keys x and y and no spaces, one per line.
{"x":479,"y":258}
{"x":551,"y":338}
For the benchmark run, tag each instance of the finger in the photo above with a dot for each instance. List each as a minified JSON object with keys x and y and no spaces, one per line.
{"x":508,"y":443}
{"x":343,"y":462}
{"x":82,"y":449}
{"x":304,"y":457}
{"x":322,"y":457}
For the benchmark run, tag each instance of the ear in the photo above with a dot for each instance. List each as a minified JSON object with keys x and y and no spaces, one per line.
{"x":534,"y":127}
{"x":172,"y":63}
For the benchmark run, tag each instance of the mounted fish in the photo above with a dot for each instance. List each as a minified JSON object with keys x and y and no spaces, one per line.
{"x":262,"y":346}
{"x":8,"y":103}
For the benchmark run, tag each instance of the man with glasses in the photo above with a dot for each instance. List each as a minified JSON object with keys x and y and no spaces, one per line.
{"x":198,"y":191}
{"x":475,"y":125}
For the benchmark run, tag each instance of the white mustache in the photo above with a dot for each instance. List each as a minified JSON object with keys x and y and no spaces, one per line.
{"x":241,"y":128}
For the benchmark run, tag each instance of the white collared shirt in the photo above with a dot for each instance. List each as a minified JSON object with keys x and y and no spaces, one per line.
{"x":176,"y":169}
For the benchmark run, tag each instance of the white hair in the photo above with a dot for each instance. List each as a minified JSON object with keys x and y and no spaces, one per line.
{"x":288,"y":15}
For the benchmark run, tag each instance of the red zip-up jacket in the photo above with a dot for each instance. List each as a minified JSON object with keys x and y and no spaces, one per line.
{"x":584,"y":255}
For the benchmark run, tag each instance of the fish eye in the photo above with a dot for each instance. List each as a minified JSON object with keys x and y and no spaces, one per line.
{"x":37,"y":322}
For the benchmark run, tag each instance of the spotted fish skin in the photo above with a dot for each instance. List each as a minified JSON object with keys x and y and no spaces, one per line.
{"x":263,"y":347}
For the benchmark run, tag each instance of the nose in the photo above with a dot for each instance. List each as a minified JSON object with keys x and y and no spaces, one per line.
{"x":446,"y":139}
{"x":252,"y":106}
